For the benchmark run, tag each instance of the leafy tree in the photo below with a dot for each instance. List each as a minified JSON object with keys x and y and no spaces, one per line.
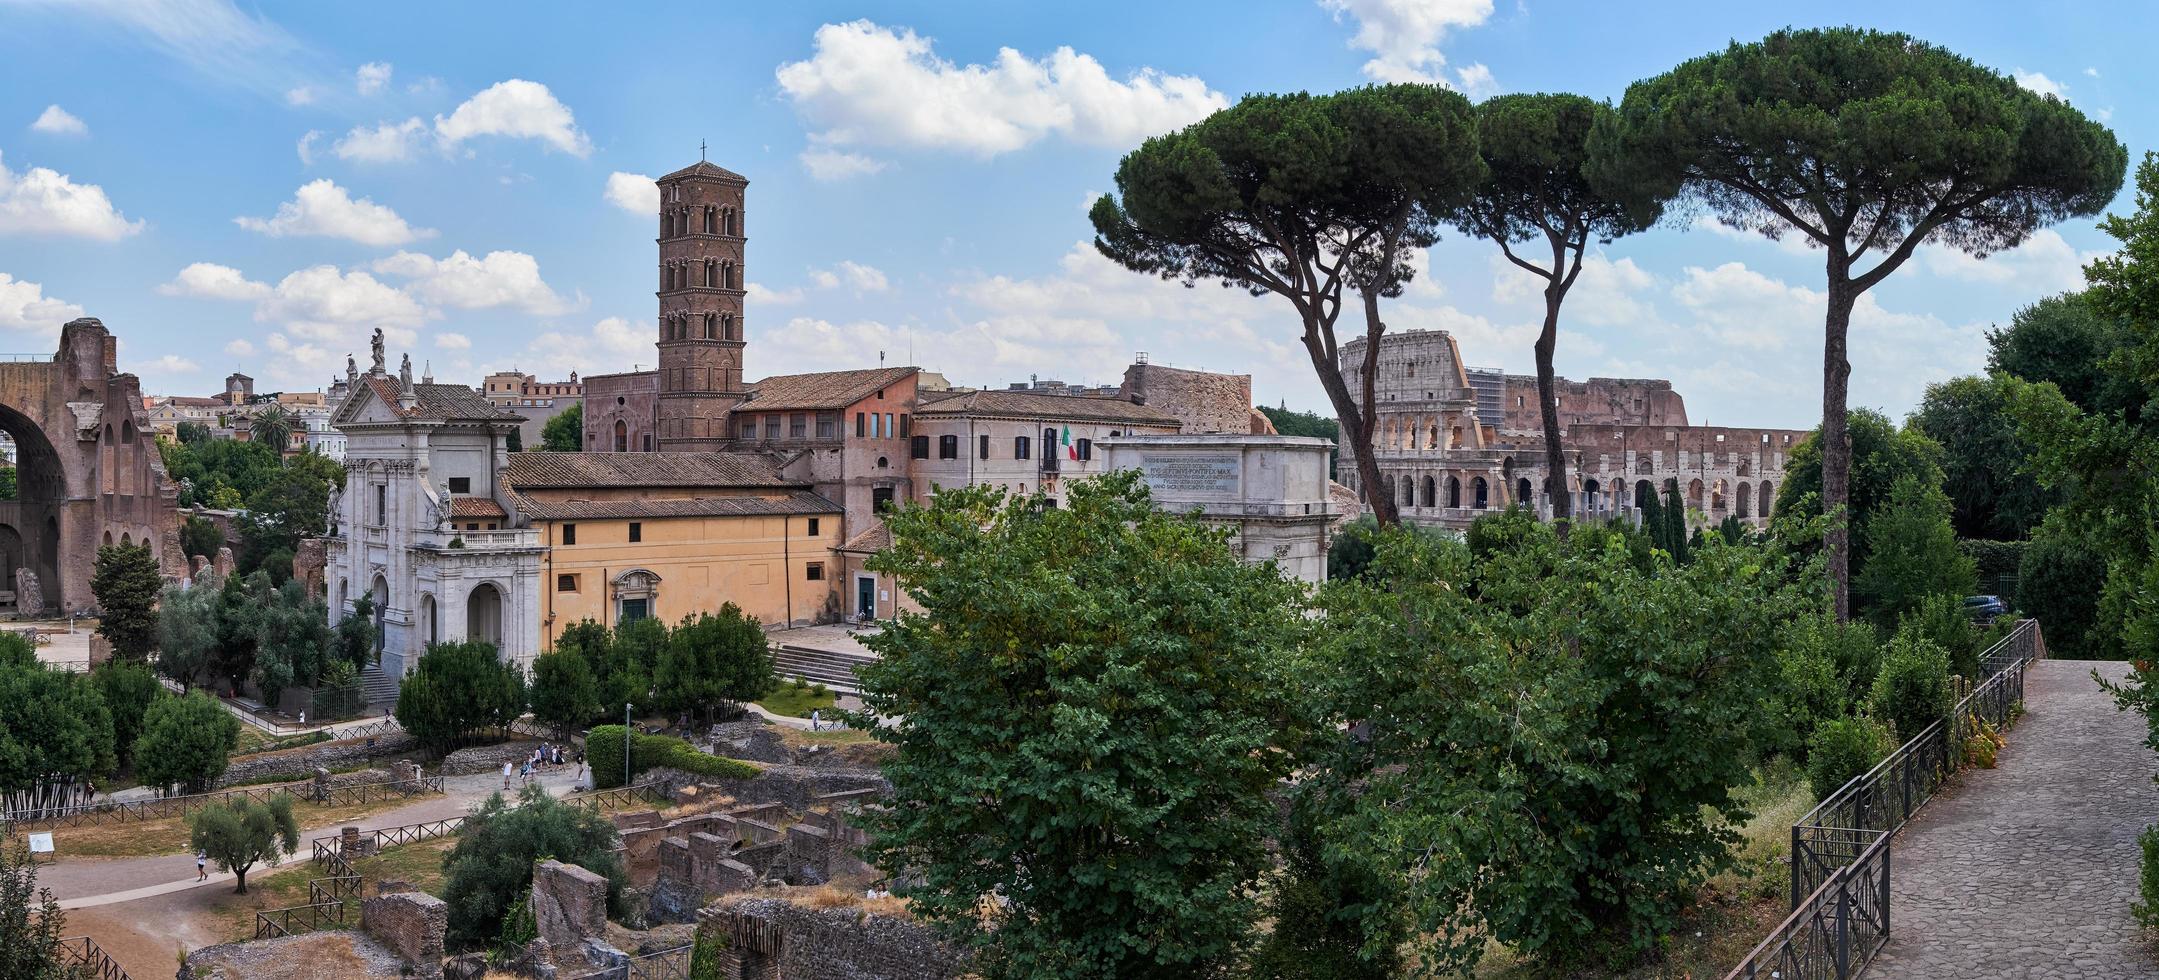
{"x":1312,"y":424}
{"x":192,"y":433}
{"x":128,"y":689}
{"x":295,"y":643}
{"x":1912,"y":553}
{"x":459,"y":689}
{"x":2063,"y":340}
{"x":1550,"y":762}
{"x":564,"y":692}
{"x":1827,"y":667}
{"x":185,"y":742}
{"x":8,"y":488}
{"x":636,"y":648}
{"x":1097,"y":746}
{"x":125,"y":581}
{"x":1866,"y":144}
{"x":54,"y":725}
{"x":1352,"y":550}
{"x":1881,"y":454}
{"x":271,"y":426}
{"x":2058,"y":584}
{"x":1843,"y":749}
{"x":1912,"y":689}
{"x":516,"y":440}
{"x":1537,"y":196}
{"x":200,"y":536}
{"x":293,"y":503}
{"x":711,"y":660}
{"x":239,"y":834}
{"x":31,"y":922}
{"x":1338,"y":211}
{"x":1983,"y":458}
{"x":1318,"y":933}
{"x":490,"y":869}
{"x":355,"y":639}
{"x":187,"y":632}
{"x":565,"y":433}
{"x":238,"y":624}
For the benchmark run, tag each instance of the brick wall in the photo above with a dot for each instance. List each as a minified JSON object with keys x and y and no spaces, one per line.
{"x":1203,"y":401}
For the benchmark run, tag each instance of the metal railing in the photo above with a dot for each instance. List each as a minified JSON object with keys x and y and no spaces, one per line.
{"x":88,"y":959}
{"x":299,"y":918}
{"x":619,"y":796}
{"x":667,"y":964}
{"x":1840,"y":849}
{"x":165,"y":807}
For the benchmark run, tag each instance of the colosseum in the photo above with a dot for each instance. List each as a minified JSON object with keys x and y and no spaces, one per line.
{"x":1454,"y":441}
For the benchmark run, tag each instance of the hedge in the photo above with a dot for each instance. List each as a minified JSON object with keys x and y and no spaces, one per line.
{"x":603,"y":749}
{"x":1993,"y":557}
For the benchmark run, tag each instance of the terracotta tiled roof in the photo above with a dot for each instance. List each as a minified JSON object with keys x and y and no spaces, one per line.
{"x":476,"y":507}
{"x":825,"y":389}
{"x":437,"y":402}
{"x":870,"y":542}
{"x":536,"y":471}
{"x":791,"y":502}
{"x":1026,"y":404}
{"x":704,"y":168}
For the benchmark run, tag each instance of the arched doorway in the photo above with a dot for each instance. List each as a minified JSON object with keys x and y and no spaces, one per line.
{"x":483,"y":615}
{"x":428,"y":618}
{"x":622,"y":436}
{"x":1769,"y":496}
{"x":1743,"y":499}
{"x":1523,"y":494}
{"x":1483,"y":493}
{"x":1642,"y":493}
{"x":1592,"y":496}
{"x":1454,"y":491}
{"x":379,"y":593}
{"x":1431,"y":492}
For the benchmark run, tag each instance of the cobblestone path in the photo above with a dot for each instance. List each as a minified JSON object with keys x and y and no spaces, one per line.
{"x":2028,"y":870}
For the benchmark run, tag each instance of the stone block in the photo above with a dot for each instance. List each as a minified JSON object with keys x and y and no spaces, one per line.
{"x":412,"y":924}
{"x":224,"y":566}
{"x":569,"y":904}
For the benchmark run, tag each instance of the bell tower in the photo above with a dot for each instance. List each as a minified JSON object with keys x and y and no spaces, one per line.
{"x":701,"y":290}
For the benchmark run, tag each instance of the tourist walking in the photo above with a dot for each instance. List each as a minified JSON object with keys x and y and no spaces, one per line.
{"x":506,"y":774}
{"x":202,"y":865}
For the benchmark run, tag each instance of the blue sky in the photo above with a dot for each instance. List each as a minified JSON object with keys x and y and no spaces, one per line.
{"x":259,"y":187}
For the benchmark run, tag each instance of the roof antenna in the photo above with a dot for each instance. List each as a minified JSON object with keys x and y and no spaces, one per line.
{"x":700,"y":151}
{"x":880,"y":359}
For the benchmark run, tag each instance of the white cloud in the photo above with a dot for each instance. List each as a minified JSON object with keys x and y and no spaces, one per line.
{"x":1790,"y":243}
{"x":880,"y":86}
{"x":306,"y":147}
{"x":2046,"y":263}
{"x":172,"y":364}
{"x":1404,"y":35}
{"x":213,"y":37}
{"x":322,"y":303}
{"x":613,"y":344}
{"x":635,"y":193}
{"x":2091,"y":72}
{"x":371,"y":77}
{"x":208,"y":280}
{"x":1476,"y":81}
{"x":300,"y":95}
{"x":25,"y":307}
{"x":453,"y":341}
{"x":41,"y":201}
{"x":1607,"y":293}
{"x":239,"y":347}
{"x":501,"y":279}
{"x":518,"y":109}
{"x":60,"y":122}
{"x":758,"y":293}
{"x":385,"y":142}
{"x":2040,"y":83}
{"x":322,"y":208}
{"x":838,"y":165}
{"x":1737,"y":306}
{"x":854,"y":275}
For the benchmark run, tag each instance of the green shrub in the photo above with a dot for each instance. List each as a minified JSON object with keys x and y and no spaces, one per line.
{"x":603,"y":749}
{"x":2147,"y":911}
{"x":1912,"y":690}
{"x":490,"y":870}
{"x":1940,"y":620}
{"x":705,"y":955}
{"x":1994,"y":558}
{"x":1842,"y":749}
{"x":2058,"y":584}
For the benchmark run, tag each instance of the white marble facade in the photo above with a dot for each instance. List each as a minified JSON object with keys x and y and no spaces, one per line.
{"x":1272,"y":489}
{"x":412,"y":453}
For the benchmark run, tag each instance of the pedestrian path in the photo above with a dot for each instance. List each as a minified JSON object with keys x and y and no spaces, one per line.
{"x":2028,"y":870}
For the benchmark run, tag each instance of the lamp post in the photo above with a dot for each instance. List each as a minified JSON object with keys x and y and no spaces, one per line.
{"x":627,"y":732}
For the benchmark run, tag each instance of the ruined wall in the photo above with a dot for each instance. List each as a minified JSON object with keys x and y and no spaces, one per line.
{"x":301,"y":763}
{"x":1598,"y":401}
{"x":1203,"y":401}
{"x":411,"y":924}
{"x":632,"y":398}
{"x":772,"y":938}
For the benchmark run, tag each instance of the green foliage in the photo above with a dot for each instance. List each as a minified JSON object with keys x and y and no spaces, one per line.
{"x":2063,"y":340}
{"x":603,"y":750}
{"x":1912,"y":689}
{"x":1842,"y":749}
{"x":565,"y":433}
{"x":354,"y":642}
{"x":185,"y":742}
{"x":1993,"y":558}
{"x":705,"y":955}
{"x":564,"y":693}
{"x":1312,"y":424}
{"x":218,"y":473}
{"x":237,"y":623}
{"x":240,"y":833}
{"x":270,"y":425}
{"x":515,"y":441}
{"x":457,"y":690}
{"x":187,"y":632}
{"x":2146,"y":911}
{"x":1500,"y":531}
{"x":1108,"y":723}
{"x":713,"y":660}
{"x":1320,"y":915}
{"x":1940,"y":619}
{"x":490,"y":869}
{"x":8,"y":488}
{"x":1881,"y":454}
{"x":53,"y":725}
{"x":2059,"y":583}
{"x":1827,"y":667}
{"x":1352,"y":550}
{"x":30,"y":918}
{"x":194,"y":433}
{"x":293,"y":503}
{"x":1911,"y":553}
{"x":200,"y":536}
{"x":296,"y":643}
{"x":125,"y":581}
{"x":128,"y":689}
{"x":1565,"y":729}
{"x":1355,"y":195}
{"x":1983,"y":458}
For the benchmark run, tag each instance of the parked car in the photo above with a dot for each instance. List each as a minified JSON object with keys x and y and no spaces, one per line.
{"x":1983,"y":608}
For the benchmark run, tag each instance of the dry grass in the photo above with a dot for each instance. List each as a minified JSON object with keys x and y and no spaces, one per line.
{"x":828,"y":897}
{"x":796,"y":738}
{"x":233,"y":916}
{"x":419,"y":863}
{"x":170,"y":835}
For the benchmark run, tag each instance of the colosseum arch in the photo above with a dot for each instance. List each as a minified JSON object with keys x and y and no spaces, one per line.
{"x":82,"y":474}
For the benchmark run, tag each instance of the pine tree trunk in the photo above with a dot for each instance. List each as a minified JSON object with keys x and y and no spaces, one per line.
{"x":1356,"y":437}
{"x":1836,"y":441}
{"x":1555,"y":456}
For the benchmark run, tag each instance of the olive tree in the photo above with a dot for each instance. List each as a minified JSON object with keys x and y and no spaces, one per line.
{"x":1320,"y":199}
{"x":1867,"y":145}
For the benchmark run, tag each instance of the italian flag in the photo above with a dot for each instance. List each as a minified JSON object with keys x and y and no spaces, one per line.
{"x":1071,"y":450}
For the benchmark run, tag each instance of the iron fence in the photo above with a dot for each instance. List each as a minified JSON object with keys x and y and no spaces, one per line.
{"x":1835,"y":930}
{"x":87,"y":960}
{"x":667,"y":964}
{"x":299,"y":918}
{"x":165,"y":807}
{"x":620,"y":796}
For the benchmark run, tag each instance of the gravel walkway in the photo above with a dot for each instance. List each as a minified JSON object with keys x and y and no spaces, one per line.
{"x":2028,"y":870}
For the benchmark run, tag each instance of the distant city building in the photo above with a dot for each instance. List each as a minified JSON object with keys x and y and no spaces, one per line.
{"x":533,"y":400}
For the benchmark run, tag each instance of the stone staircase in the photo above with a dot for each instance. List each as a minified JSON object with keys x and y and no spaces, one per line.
{"x":380,"y":688}
{"x":832,"y":669}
